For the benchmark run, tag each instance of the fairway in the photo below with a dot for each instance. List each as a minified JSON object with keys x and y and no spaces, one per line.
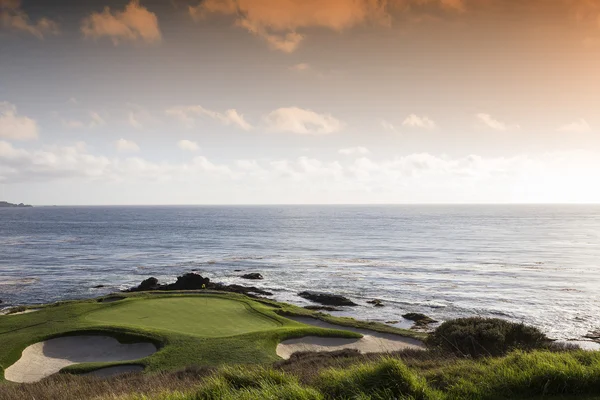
{"x":205,"y":317}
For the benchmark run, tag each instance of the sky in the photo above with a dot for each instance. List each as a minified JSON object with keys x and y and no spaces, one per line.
{"x":299,"y":101}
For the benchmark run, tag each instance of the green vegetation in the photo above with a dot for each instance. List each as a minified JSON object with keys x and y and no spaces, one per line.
{"x":230,"y":339}
{"x":534,"y":375}
{"x":480,"y":337}
{"x":189,"y":328}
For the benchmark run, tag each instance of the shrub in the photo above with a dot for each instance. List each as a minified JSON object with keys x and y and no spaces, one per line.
{"x":476,"y":337}
{"x":387,"y":379}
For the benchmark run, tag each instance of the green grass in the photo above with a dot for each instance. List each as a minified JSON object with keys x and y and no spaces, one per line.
{"x":208,"y":328}
{"x":236,"y":336}
{"x":206,"y":317}
{"x":535,"y":375}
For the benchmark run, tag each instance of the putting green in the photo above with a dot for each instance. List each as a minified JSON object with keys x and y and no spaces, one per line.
{"x":205,"y":317}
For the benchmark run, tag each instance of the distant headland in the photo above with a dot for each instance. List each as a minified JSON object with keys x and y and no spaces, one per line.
{"x":4,"y":204}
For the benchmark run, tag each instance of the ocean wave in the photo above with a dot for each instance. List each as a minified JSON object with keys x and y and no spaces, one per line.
{"x":19,"y":281}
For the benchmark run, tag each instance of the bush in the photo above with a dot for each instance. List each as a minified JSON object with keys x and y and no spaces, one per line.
{"x":477,"y":337}
{"x":387,"y":379}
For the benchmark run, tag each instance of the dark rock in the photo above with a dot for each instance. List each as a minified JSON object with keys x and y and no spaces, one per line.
{"x":420,"y":320}
{"x":595,"y":336}
{"x":147,"y":284}
{"x":247,"y":290}
{"x":253,"y":275}
{"x":322,"y":308}
{"x":98,"y":287}
{"x":192,"y":281}
{"x":1,"y":301}
{"x":189,"y":281}
{"x":376,"y":303}
{"x":237,"y":270}
{"x":7,"y":204}
{"x":327,"y":299}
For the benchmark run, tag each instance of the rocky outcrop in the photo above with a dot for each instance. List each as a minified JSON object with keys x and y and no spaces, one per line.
{"x":322,"y":308}
{"x":420,"y":320}
{"x":252,"y":275}
{"x":192,"y":281}
{"x":376,"y":303}
{"x":595,"y":336}
{"x":146,"y":285}
{"x":327,"y":299}
{"x":189,"y":281}
{"x":5,"y":204}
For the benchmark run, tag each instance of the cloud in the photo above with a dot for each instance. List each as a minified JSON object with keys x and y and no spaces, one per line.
{"x":187,"y":116}
{"x":132,"y":120}
{"x":278,"y":21}
{"x":580,"y":126}
{"x":13,"y":17}
{"x":135,"y":23}
{"x":95,"y":121}
{"x":414,"y":121}
{"x":489,"y":122}
{"x":387,"y":126}
{"x":353,"y":151}
{"x":412,"y":178}
{"x":188,"y":145}
{"x":300,"y":67}
{"x":302,"y":121}
{"x":16,"y":127}
{"x":125,"y":145}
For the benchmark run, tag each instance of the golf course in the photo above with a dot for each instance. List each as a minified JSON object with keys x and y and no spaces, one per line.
{"x":162,"y":332}
{"x":207,"y":344}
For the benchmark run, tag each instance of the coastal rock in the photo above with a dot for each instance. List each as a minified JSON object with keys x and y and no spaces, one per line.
{"x":595,"y":336}
{"x":420,"y":320}
{"x":191,"y":281}
{"x":376,"y":303}
{"x":247,"y":290}
{"x":322,"y":308}
{"x":147,"y":284}
{"x":252,"y":275}
{"x":327,"y":298}
{"x":98,"y":287}
{"x":4,"y":204}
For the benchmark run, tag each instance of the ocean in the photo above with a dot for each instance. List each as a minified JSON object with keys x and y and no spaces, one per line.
{"x":539,"y":264}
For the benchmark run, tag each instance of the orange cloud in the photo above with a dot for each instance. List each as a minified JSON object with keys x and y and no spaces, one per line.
{"x":134,"y":23}
{"x":13,"y":17}
{"x":278,"y":21}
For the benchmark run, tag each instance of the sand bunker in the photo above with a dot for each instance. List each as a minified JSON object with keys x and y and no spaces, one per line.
{"x":46,"y":358}
{"x":30,"y":310}
{"x":371,"y":342}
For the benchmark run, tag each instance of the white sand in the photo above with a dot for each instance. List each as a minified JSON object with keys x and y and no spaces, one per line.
{"x":30,"y":310}
{"x":46,"y":358}
{"x":371,"y":342}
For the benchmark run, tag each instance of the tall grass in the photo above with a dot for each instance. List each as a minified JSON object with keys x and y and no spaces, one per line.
{"x":519,"y":375}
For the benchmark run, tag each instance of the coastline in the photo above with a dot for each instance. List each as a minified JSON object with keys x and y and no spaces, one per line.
{"x":338,"y":313}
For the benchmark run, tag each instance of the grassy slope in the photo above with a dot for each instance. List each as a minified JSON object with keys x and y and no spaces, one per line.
{"x":259,"y":331}
{"x":536,"y":375}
